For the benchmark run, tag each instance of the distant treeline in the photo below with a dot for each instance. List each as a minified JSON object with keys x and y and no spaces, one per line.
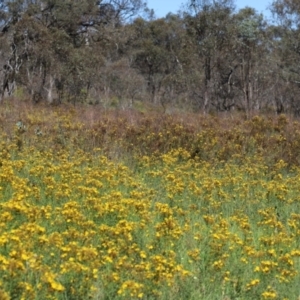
{"x":210,"y":57}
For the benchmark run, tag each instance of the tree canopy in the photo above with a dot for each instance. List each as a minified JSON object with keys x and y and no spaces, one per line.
{"x":209,"y":57}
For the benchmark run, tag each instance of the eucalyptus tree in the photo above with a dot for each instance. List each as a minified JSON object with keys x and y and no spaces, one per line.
{"x":251,"y":51}
{"x":155,"y":53}
{"x":208,"y":25}
{"x":57,"y":45}
{"x":287,"y":14}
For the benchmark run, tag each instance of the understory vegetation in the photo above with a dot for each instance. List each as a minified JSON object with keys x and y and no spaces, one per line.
{"x":114,"y":204}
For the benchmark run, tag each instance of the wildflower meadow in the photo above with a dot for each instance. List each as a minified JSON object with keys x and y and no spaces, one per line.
{"x":126,"y":205}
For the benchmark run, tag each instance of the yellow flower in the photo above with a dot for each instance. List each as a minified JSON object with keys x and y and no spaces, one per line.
{"x":4,"y":295}
{"x":49,"y":277}
{"x":218,"y":264}
{"x":269,"y":294}
{"x":56,"y":286}
{"x":253,"y":283}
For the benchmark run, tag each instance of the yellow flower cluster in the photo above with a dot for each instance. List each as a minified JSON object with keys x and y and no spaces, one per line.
{"x":76,"y":224}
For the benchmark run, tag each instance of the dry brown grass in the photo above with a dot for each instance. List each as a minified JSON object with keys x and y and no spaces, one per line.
{"x":123,"y":133}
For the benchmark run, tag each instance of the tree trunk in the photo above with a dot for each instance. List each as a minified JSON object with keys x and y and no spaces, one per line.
{"x":207,"y":68}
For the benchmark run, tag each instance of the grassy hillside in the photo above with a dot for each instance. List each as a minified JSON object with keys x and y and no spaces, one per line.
{"x":125,"y":205}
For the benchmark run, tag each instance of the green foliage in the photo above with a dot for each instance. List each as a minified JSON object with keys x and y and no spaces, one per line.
{"x":210,"y":57}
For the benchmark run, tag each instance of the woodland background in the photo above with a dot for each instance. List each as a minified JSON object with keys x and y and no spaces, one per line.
{"x":210,"y":57}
